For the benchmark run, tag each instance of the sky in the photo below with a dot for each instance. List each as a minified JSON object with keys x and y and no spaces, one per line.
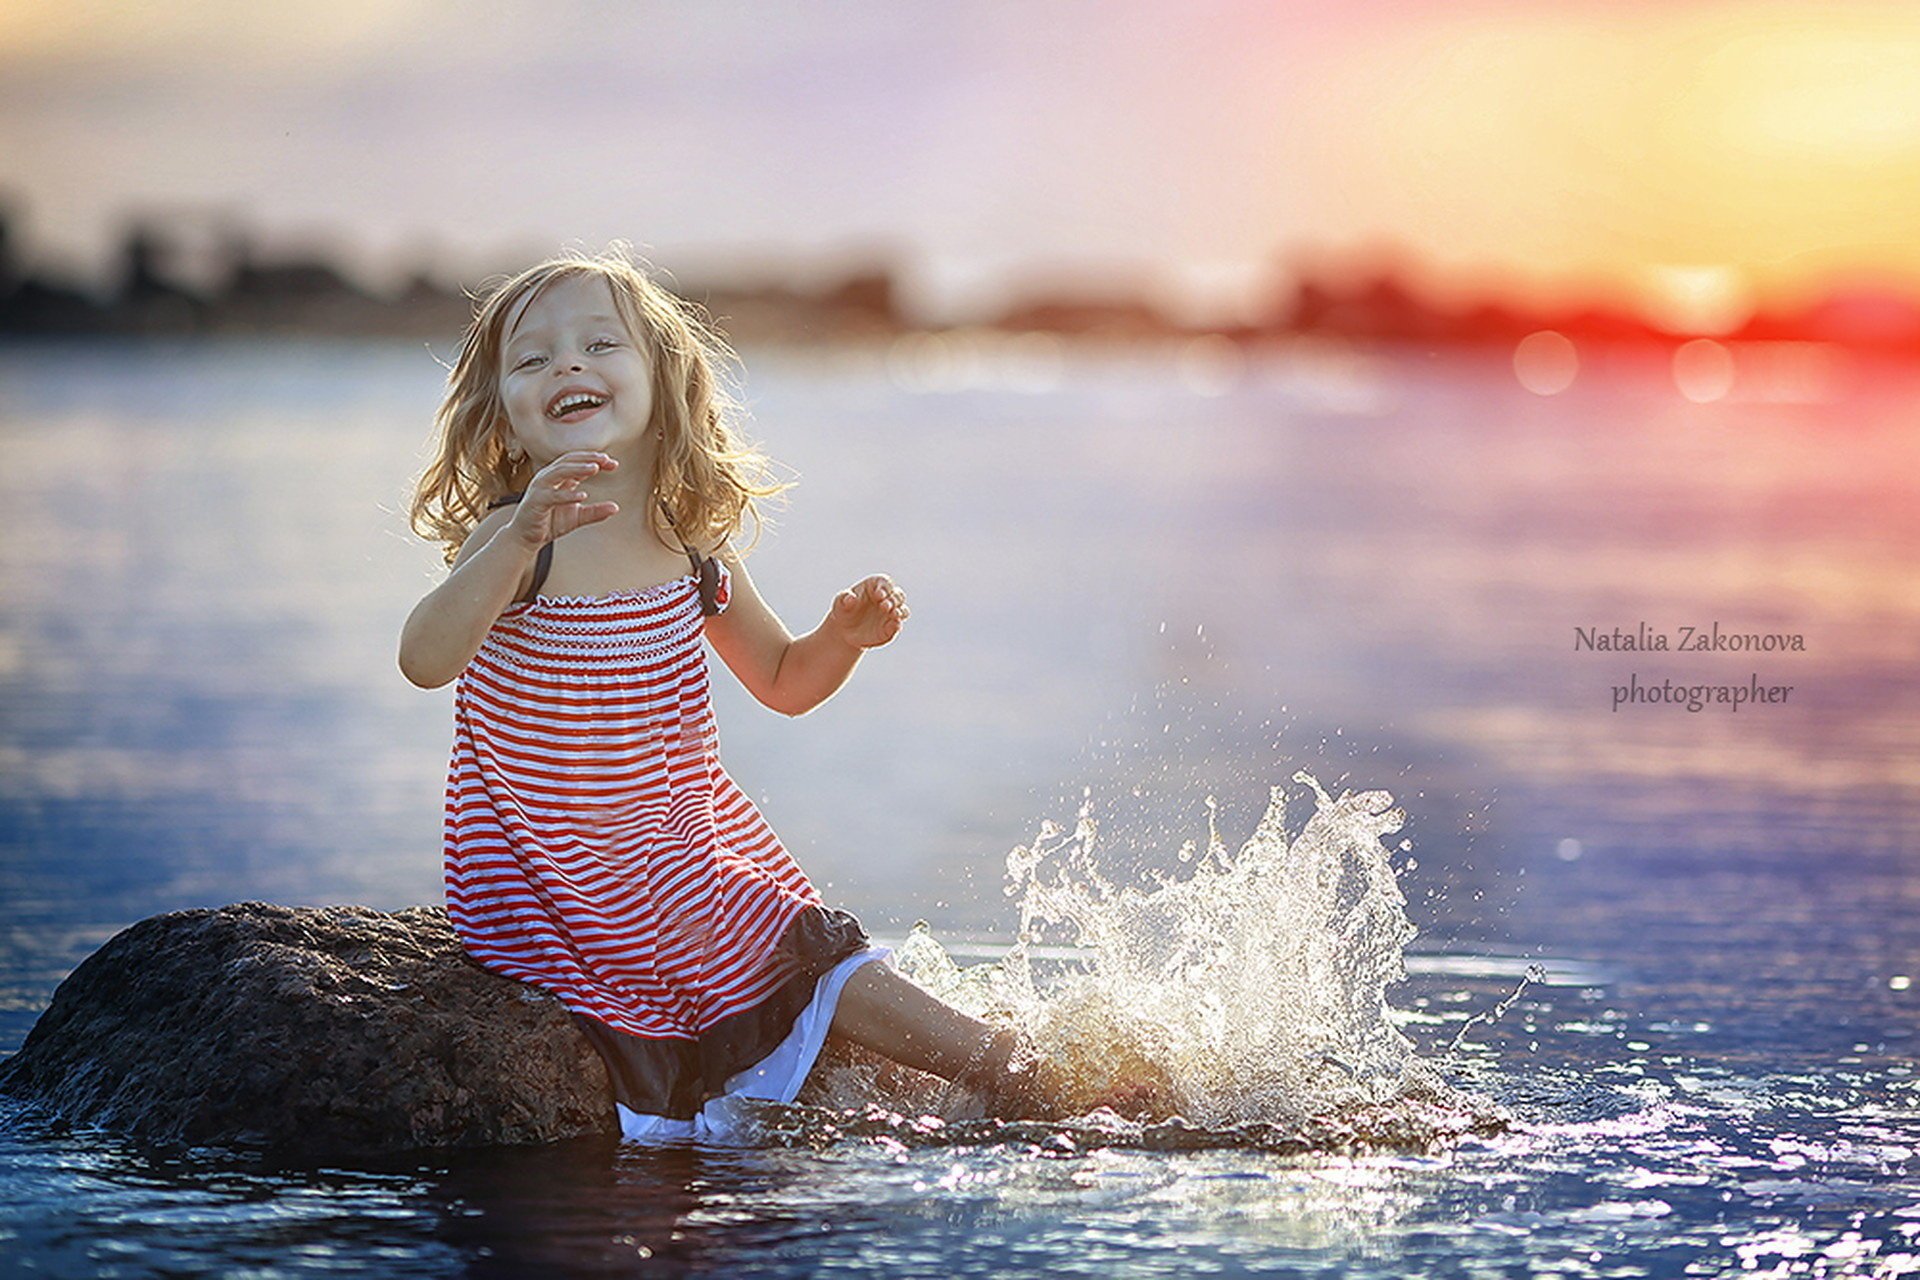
{"x":1205,"y":150}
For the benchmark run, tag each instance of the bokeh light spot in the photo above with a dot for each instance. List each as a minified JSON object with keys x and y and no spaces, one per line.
{"x":1703,"y":370}
{"x":1546,"y":362}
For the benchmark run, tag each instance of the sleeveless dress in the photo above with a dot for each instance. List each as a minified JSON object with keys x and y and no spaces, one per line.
{"x":595,"y":848}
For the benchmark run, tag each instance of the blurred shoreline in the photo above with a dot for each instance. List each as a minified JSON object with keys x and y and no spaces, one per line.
{"x":232,"y":290}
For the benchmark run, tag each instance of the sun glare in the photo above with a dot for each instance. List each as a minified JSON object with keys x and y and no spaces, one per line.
{"x":1841,"y":94}
{"x":1696,"y":300}
{"x":1704,"y":160}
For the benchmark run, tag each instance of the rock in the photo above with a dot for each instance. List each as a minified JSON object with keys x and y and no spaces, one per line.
{"x":321,"y":1030}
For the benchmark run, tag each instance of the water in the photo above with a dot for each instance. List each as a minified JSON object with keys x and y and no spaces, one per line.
{"x":1246,"y":997}
{"x":1133,"y":589}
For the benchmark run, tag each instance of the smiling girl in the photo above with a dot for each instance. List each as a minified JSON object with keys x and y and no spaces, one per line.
{"x":587,"y":487}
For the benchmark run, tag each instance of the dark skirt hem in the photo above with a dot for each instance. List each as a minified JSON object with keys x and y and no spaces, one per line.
{"x":675,"y":1077}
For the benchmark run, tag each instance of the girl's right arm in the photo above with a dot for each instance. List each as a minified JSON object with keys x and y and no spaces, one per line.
{"x":447,"y":627}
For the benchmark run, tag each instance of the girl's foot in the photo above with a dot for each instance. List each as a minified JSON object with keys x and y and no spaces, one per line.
{"x":1028,"y":1086}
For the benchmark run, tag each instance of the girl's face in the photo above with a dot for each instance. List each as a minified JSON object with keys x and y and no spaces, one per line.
{"x":571,"y":376}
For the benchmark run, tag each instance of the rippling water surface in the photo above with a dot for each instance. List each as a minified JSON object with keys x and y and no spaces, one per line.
{"x":1140,"y":595}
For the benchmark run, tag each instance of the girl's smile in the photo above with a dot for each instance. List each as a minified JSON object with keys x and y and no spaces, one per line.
{"x":571,"y":376}
{"x":575,"y":404}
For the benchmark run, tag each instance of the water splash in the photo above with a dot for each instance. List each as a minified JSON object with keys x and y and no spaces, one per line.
{"x":1254,"y":983}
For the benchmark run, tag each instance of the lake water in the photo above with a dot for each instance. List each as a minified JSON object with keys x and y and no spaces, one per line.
{"x":1138,"y":581}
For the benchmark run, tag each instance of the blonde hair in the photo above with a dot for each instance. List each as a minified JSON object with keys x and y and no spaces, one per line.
{"x":704,"y":469}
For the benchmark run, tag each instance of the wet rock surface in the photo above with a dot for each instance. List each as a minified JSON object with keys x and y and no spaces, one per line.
{"x":320,"y":1030}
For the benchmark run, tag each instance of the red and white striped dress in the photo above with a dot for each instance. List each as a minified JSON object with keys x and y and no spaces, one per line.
{"x":596,"y":848}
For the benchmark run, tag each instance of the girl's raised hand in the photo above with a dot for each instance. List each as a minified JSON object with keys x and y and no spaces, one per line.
{"x":555,"y":505}
{"x":870,"y":612}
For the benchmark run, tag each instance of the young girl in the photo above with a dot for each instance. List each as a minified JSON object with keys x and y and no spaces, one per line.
{"x":587,"y":485}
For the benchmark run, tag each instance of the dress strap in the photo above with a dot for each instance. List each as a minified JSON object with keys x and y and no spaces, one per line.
{"x":541,"y":564}
{"x":705,"y":568}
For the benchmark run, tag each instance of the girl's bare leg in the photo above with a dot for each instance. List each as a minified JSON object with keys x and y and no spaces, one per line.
{"x":882,"y":1011}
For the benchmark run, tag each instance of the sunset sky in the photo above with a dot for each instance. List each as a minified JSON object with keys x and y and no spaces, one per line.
{"x":1750,"y":150}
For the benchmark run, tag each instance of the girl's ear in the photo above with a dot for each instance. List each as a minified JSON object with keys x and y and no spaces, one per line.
{"x":505,"y":431}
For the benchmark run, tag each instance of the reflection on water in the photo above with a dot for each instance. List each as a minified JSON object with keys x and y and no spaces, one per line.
{"x":1138,"y":584}
{"x":1615,"y":1154}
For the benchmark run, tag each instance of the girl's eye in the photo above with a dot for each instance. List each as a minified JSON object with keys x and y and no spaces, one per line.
{"x":602,"y":342}
{"x":525,"y":361}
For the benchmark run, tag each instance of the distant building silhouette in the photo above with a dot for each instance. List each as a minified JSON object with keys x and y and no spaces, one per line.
{"x":293,"y":293}
{"x":9,"y":269}
{"x":30,"y":305}
{"x":1103,"y":318}
{"x":149,"y":301}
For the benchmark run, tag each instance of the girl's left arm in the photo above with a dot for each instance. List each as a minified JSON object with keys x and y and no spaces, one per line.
{"x":795,"y":675}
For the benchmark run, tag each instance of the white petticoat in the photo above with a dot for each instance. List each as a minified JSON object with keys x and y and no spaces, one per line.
{"x":775,"y":1078}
